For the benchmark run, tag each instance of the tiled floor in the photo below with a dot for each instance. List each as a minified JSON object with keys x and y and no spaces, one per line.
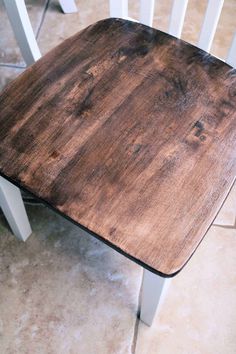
{"x":65,"y":292}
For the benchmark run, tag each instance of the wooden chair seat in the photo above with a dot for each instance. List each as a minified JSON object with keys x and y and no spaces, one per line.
{"x":128,"y":132}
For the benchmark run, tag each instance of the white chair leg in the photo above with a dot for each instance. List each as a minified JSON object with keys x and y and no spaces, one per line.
{"x":68,"y":6}
{"x":154,"y":288}
{"x":20,"y":22}
{"x":14,"y":210}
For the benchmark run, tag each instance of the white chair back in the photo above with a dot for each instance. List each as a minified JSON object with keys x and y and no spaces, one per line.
{"x":119,"y":8}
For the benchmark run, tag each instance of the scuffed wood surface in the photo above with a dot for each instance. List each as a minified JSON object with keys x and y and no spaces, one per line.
{"x":130,"y":133}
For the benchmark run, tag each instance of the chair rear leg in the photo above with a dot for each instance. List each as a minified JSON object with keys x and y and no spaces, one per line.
{"x":153,"y":290}
{"x":68,"y":6}
{"x":14,"y":210}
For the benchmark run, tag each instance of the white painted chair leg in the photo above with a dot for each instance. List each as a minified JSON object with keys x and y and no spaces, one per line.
{"x":20,"y":22}
{"x":14,"y":210}
{"x":154,"y":289}
{"x":68,"y":6}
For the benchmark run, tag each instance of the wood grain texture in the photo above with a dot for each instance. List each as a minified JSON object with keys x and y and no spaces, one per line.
{"x":128,"y":132}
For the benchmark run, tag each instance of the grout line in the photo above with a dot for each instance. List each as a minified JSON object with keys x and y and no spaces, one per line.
{"x":42,"y":19}
{"x":13,"y":66}
{"x":137,"y":321}
{"x":135,"y":336}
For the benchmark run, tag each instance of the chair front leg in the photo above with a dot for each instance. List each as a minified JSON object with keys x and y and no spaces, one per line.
{"x":154,"y":289}
{"x":68,"y":6}
{"x":24,"y":34}
{"x":14,"y":210}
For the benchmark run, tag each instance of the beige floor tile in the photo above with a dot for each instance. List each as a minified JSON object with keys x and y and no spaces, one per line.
{"x":7,"y":75}
{"x":198,"y":315}
{"x":64,"y":292}
{"x":58,"y":26}
{"x":227,"y":214}
{"x":9,"y":51}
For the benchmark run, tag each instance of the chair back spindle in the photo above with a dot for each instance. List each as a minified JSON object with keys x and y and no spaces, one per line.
{"x":177,"y":17}
{"x":210,"y":22}
{"x":146,"y":12}
{"x":119,"y":8}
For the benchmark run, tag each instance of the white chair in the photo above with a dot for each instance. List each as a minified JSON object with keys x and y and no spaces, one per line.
{"x":13,"y":208}
{"x":153,"y":284}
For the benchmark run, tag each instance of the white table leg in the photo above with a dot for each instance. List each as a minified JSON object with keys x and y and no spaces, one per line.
{"x":154,"y":288}
{"x":19,"y":19}
{"x":68,"y":6}
{"x":14,"y":210}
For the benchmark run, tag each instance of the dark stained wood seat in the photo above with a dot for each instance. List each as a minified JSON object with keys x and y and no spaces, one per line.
{"x":128,"y":132}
